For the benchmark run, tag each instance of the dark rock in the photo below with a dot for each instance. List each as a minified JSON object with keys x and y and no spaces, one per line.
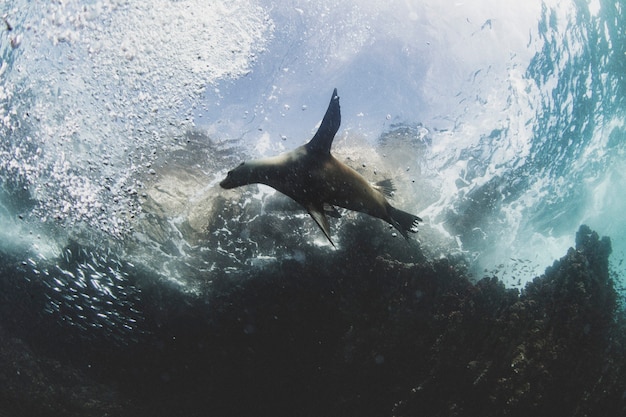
{"x":374,"y":328}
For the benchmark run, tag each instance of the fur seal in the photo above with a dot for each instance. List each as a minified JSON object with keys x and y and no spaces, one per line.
{"x":312,"y":177}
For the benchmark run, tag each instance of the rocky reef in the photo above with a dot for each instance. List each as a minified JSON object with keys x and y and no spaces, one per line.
{"x":375,"y":328}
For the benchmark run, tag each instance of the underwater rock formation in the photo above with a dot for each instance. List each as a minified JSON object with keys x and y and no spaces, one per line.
{"x":554,"y":350}
{"x":375,"y":328}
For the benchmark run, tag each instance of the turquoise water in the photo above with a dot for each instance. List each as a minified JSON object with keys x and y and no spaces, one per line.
{"x":520,"y":109}
{"x":515,"y":115}
{"x":579,"y":132}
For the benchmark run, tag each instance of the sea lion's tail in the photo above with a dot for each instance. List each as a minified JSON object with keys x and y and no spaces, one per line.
{"x":403,"y":221}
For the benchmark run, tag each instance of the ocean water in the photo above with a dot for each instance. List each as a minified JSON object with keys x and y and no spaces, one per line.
{"x":501,"y":123}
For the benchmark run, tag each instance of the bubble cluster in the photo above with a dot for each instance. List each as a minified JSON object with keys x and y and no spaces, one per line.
{"x":99,"y":92}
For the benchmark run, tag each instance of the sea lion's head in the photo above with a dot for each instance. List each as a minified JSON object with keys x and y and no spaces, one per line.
{"x":236,"y":177}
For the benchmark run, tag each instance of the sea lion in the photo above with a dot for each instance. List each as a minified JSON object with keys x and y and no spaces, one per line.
{"x":312,"y":177}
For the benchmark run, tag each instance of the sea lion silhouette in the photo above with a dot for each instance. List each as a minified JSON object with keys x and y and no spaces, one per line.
{"x":312,"y":177}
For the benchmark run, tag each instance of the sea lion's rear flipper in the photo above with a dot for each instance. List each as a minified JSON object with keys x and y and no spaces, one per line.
{"x":386,"y":187}
{"x":321,"y":220}
{"x":403,"y":221}
{"x":323,"y":139}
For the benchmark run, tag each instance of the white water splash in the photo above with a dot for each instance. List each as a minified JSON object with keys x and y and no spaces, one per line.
{"x":106,"y":88}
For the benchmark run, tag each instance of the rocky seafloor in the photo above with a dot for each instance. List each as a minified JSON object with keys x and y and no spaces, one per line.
{"x":357,"y":331}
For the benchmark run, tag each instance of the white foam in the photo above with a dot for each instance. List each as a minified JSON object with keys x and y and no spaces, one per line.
{"x":107,"y":89}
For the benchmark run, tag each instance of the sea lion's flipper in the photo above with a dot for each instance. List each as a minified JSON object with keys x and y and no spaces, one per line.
{"x":321,"y":220}
{"x":323,"y":139}
{"x":386,"y":187}
{"x":403,"y":221}
{"x":331,"y":211}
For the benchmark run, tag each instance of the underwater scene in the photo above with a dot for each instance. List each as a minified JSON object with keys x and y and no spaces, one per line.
{"x":145,"y":271}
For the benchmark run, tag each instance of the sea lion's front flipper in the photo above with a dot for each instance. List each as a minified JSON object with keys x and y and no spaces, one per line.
{"x":321,"y":220}
{"x":331,"y":211}
{"x":323,"y":139}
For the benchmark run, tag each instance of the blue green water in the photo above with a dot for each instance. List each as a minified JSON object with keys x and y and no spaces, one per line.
{"x":513,"y":118}
{"x":579,"y":136}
